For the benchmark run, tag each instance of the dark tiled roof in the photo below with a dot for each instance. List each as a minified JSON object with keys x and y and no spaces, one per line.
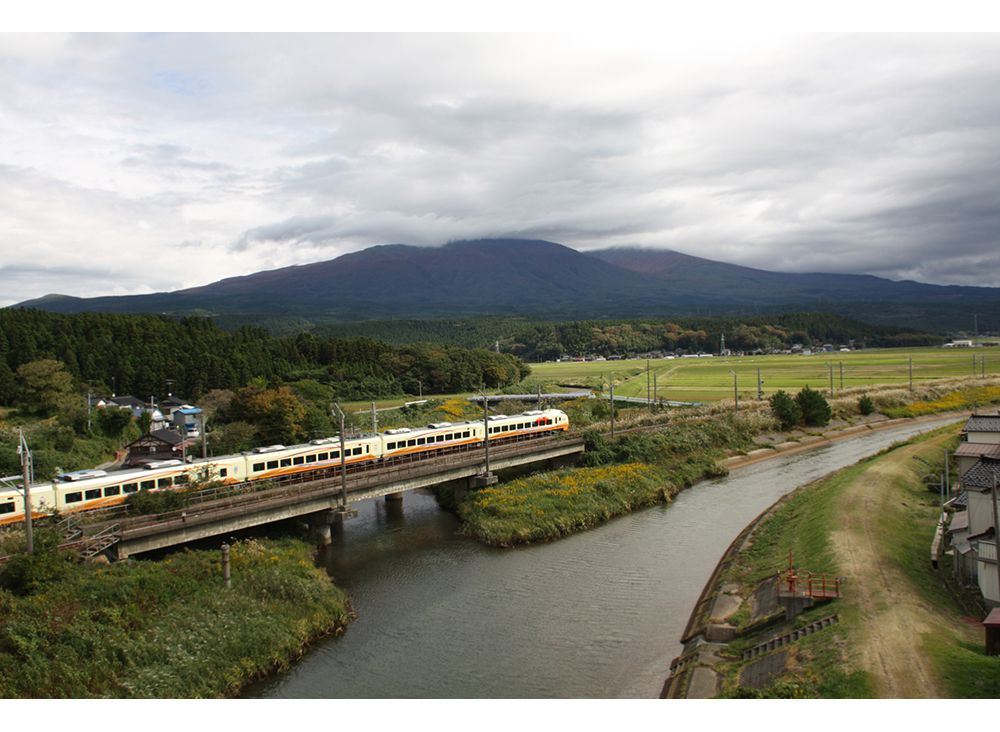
{"x":981,"y":475}
{"x":170,"y":436}
{"x":977,"y":449}
{"x":983,"y":423}
{"x":172,"y":401}
{"x":127,"y":401}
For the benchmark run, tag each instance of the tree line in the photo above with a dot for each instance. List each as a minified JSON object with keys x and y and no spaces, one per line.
{"x":148,"y":355}
{"x":534,"y":340}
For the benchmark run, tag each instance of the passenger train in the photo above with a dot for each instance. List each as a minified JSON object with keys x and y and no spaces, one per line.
{"x":89,"y":489}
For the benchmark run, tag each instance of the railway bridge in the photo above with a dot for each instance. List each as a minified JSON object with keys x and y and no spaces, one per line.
{"x":325,"y":501}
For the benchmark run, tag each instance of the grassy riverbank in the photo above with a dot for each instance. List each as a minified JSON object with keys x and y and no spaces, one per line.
{"x":901,"y":632}
{"x":653,"y":466}
{"x":631,"y":472}
{"x":160,"y":629}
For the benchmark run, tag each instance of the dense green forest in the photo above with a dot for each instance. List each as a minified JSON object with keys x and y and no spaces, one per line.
{"x":534,"y":340}
{"x":149,"y":355}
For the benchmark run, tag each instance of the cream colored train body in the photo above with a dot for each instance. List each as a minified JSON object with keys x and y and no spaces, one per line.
{"x":91,"y":489}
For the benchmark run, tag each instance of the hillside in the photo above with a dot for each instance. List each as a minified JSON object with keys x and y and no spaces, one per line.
{"x":545,"y":279}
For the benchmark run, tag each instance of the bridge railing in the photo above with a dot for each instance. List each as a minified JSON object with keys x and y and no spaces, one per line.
{"x":247,"y":502}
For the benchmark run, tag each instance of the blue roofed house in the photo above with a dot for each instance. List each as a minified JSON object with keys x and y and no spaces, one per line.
{"x":187,"y":421}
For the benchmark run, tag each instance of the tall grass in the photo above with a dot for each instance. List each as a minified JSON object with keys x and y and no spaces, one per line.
{"x":165,"y":629}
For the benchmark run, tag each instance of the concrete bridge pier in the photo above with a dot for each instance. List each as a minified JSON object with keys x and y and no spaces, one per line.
{"x":394,"y":497}
{"x":319,"y":526}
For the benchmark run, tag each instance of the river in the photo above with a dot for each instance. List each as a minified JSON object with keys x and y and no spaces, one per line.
{"x":597,"y":614}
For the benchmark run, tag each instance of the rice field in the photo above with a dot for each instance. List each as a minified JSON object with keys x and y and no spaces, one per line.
{"x":712,"y":379}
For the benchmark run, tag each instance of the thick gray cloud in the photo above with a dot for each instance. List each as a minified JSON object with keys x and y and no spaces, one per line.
{"x":137,"y":163}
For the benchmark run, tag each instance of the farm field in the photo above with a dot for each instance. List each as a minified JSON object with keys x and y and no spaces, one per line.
{"x":710,"y":379}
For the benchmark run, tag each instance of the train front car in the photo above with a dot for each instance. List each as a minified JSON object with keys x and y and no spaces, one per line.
{"x":535,"y":423}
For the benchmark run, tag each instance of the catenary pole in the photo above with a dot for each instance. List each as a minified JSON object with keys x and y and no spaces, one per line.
{"x":26,"y":473}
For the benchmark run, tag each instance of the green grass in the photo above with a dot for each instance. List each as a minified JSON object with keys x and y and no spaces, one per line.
{"x":803,"y":522}
{"x":710,"y":379}
{"x":164,"y":629}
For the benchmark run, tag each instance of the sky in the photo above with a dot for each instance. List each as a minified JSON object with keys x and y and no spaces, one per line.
{"x":139,"y":162}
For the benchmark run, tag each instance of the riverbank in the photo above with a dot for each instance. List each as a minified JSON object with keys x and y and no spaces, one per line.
{"x":690,"y":447}
{"x":160,"y":629}
{"x":896,"y":632}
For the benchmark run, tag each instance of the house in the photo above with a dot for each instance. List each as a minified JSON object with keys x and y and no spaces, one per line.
{"x":137,"y":406}
{"x":171,"y":404}
{"x":157,"y":445}
{"x":980,"y":438}
{"x":973,"y":531}
{"x":186,"y":420}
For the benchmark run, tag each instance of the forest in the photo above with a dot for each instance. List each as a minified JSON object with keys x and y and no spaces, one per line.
{"x":148,"y":355}
{"x":534,"y":340}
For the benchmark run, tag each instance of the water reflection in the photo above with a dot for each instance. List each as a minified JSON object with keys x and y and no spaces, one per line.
{"x":598,"y":614}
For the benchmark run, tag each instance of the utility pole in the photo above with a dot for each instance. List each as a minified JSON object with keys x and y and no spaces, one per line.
{"x":947,"y":478}
{"x":343,"y":460}
{"x":996,"y":529}
{"x":89,"y":400}
{"x":760,"y":385}
{"x":831,"y":378}
{"x":420,"y":388}
{"x":612,"y":410}
{"x":841,"y":377}
{"x":374,"y":419}
{"x":647,"y":381}
{"x":25,"y":453}
{"x":736,"y":395}
{"x":911,"y":373}
{"x":486,"y":478}
{"x":539,"y":396}
{"x":204,"y":438}
{"x":655,"y":391}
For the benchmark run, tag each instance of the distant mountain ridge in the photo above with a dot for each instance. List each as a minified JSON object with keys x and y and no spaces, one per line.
{"x":539,"y":278}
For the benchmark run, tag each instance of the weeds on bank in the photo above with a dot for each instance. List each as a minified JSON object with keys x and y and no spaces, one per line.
{"x":163,"y":629}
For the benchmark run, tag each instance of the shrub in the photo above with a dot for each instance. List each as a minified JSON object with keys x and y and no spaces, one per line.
{"x":866,"y":405}
{"x":815,"y":409}
{"x":786,"y":410}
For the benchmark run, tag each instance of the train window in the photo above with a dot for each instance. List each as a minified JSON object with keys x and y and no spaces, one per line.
{"x":258,"y":466}
{"x":299,"y":460}
{"x":366,"y":449}
{"x":223,"y":472}
{"x":390,"y":446}
{"x":272,"y":464}
{"x":440,"y":438}
{"x":465,"y":434}
{"x":92,"y":494}
{"x":310,"y":458}
{"x":285,"y":462}
{"x":131,"y":487}
{"x":412,"y":443}
{"x":181,"y":479}
{"x":323,"y":456}
{"x":335,"y":455}
{"x":74,"y":497}
{"x":147,"y":484}
{"x":357,"y":451}
{"x":7,"y":507}
{"x":112,"y":490}
{"x":421,"y":440}
{"x":163,"y":483}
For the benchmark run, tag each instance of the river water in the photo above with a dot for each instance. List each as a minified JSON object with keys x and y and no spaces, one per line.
{"x":597,"y":614}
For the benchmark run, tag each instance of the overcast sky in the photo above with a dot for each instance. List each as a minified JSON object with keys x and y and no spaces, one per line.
{"x":140,"y":163}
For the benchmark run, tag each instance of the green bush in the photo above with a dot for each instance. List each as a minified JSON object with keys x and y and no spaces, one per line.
{"x":815,"y":409}
{"x":866,"y":405}
{"x":786,"y":410}
{"x":147,"y":502}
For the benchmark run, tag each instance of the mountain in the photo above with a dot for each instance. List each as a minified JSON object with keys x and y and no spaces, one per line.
{"x":541,"y":278}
